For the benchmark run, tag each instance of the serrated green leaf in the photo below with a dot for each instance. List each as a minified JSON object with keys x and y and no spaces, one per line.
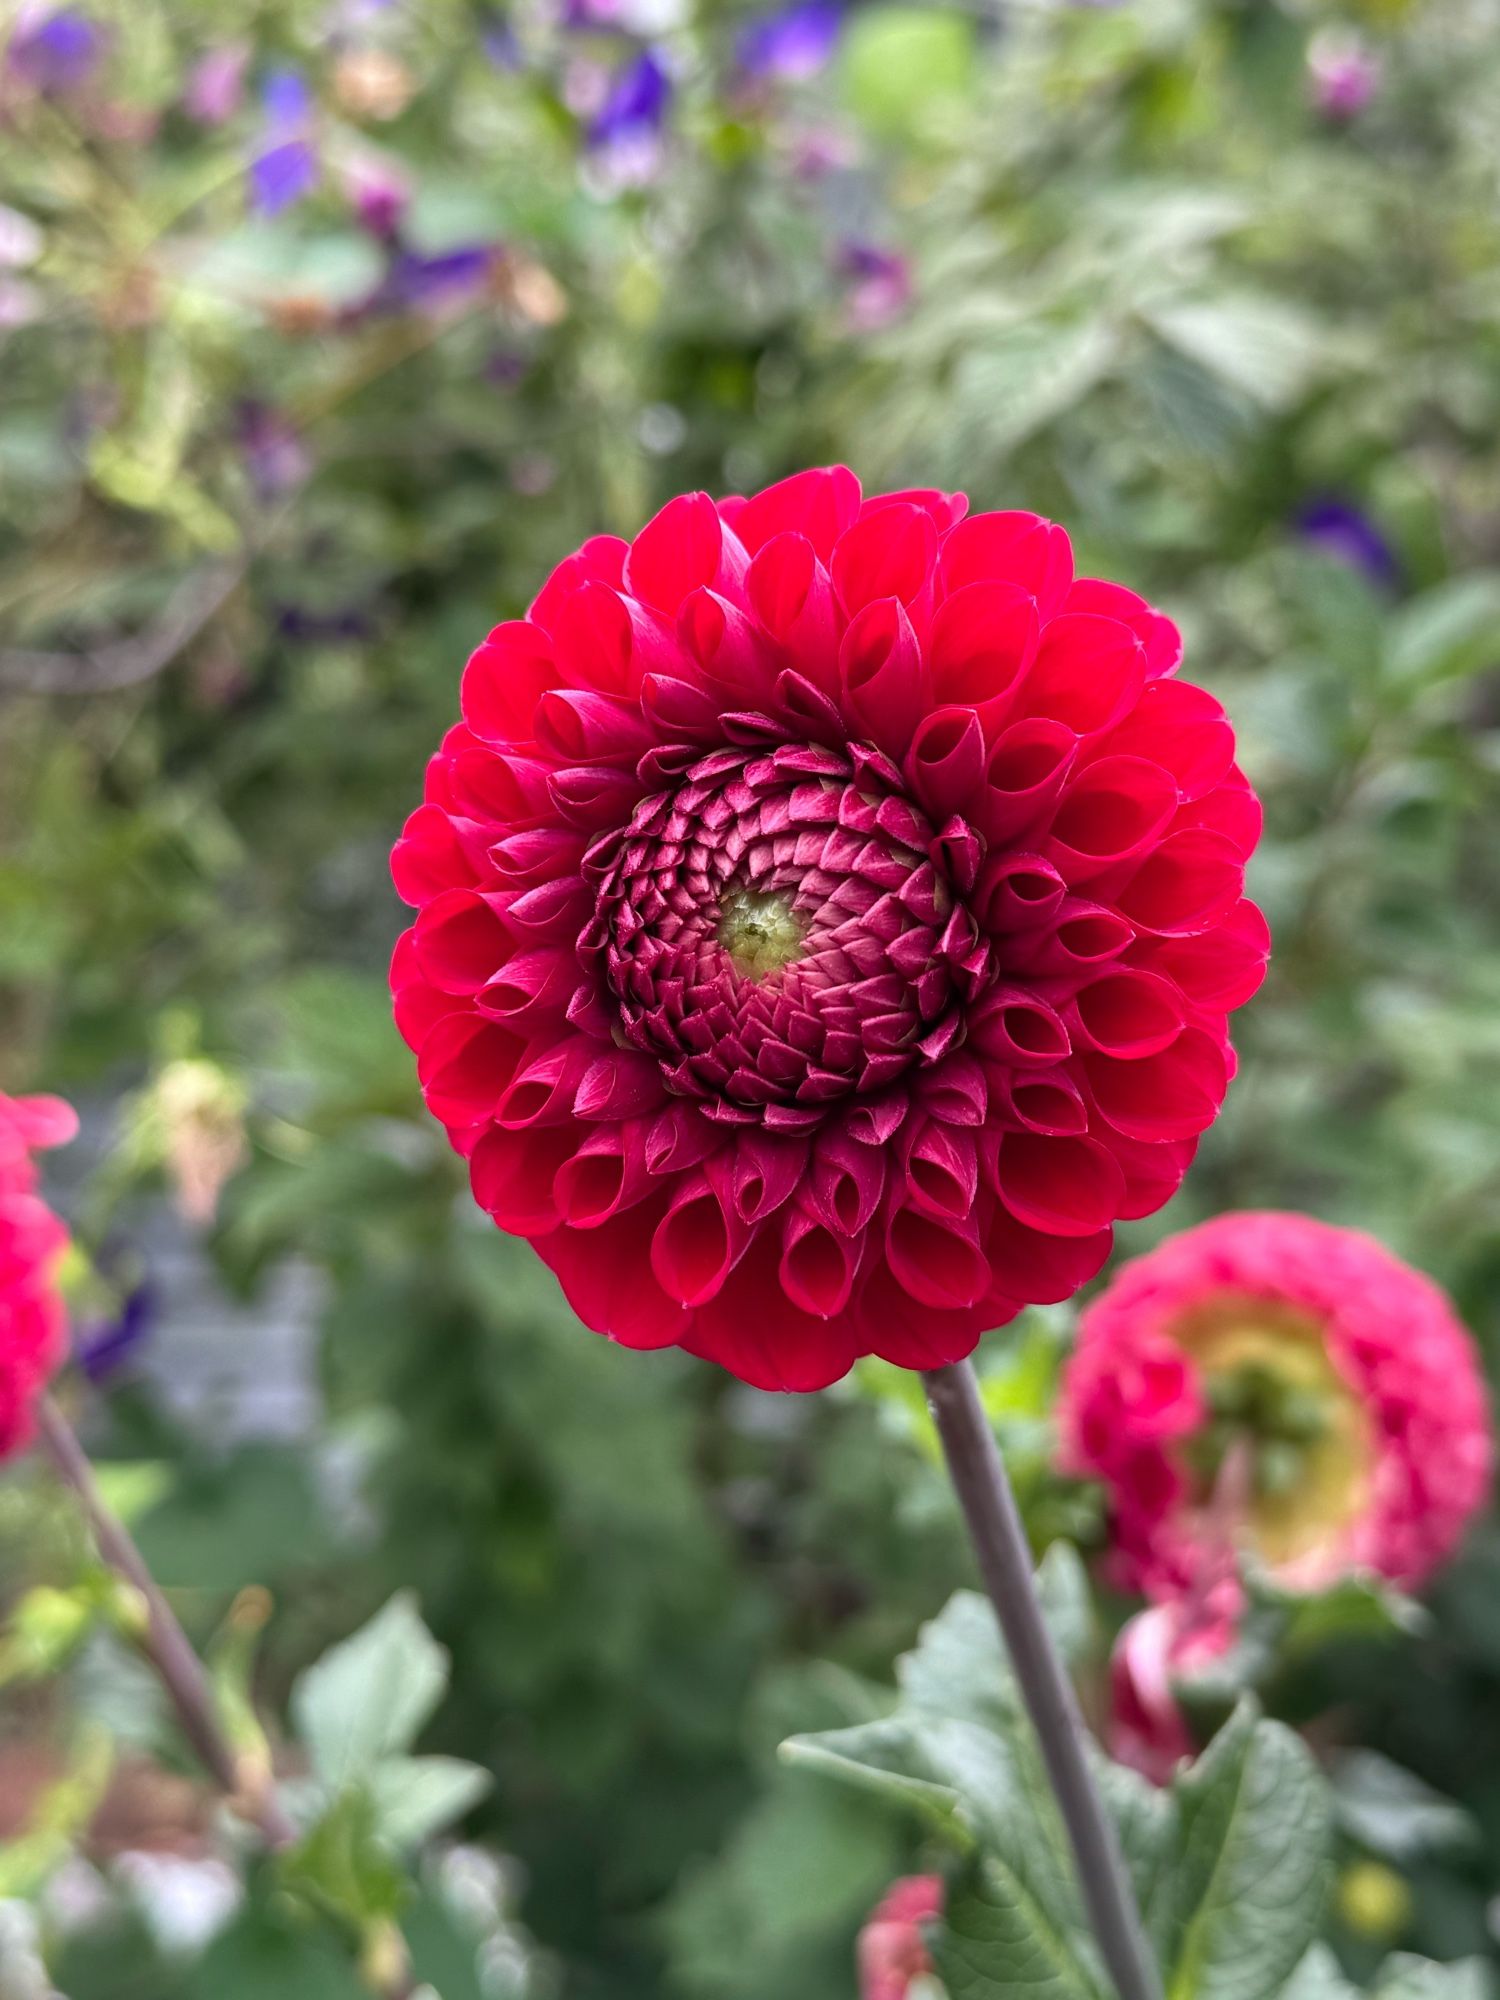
{"x":367,"y":1698}
{"x":998,"y":1940}
{"x":1240,"y":1905}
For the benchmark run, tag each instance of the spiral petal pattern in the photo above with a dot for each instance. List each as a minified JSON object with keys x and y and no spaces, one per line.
{"x":828,"y":912}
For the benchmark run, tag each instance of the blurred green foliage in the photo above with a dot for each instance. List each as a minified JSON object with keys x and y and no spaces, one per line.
{"x":264,"y":480}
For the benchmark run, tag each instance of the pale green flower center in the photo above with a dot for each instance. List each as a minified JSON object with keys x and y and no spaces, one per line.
{"x":761,"y":933}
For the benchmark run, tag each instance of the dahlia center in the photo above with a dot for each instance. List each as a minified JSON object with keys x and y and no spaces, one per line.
{"x":1275,"y":1397}
{"x":778,"y":931}
{"x":761,"y":932}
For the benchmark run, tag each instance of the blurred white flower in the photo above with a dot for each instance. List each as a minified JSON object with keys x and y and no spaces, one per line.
{"x":184,"y":1901}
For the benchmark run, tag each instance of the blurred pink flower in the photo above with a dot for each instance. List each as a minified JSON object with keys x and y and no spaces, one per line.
{"x":891,"y":1953}
{"x":32,"y":1239}
{"x":1156,"y":1648}
{"x":215,"y":86}
{"x":880,"y":287}
{"x":1343,"y":74}
{"x":1270,"y":1382}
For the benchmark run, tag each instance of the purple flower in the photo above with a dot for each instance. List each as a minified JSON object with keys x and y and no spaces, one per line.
{"x":590,"y":13}
{"x":215,"y":86}
{"x":106,"y":1346}
{"x":285,"y":168}
{"x":55,"y":51}
{"x":498,"y":40}
{"x":624,"y":134}
{"x":880,"y":285}
{"x":1340,"y":531}
{"x":1343,"y":74}
{"x":636,"y":106}
{"x":792,"y":44}
{"x":412,"y":282}
{"x":379,"y":192}
{"x":275,"y":456}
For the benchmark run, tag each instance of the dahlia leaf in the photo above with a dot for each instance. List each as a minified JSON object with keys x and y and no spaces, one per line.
{"x":367,"y":1698}
{"x":1241,"y":1904}
{"x":1393,"y":1813}
{"x":997,"y":1941}
{"x":1319,"y":1976}
{"x":883,"y":1757}
{"x":1406,"y":1977}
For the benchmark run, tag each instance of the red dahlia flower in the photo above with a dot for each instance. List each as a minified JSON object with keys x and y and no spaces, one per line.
{"x":1273,"y":1381}
{"x":32,"y":1325}
{"x":828,"y":912}
{"x":891,"y":1953}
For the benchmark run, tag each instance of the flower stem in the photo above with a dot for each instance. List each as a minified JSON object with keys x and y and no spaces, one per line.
{"x":994,"y":1524}
{"x":165,"y":1643}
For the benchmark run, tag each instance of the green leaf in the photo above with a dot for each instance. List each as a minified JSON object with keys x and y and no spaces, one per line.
{"x":999,"y":1941}
{"x":267,"y":1950}
{"x":369,"y":1696}
{"x":415,"y":1797}
{"x":903,"y":66}
{"x":1319,"y":1977}
{"x":1267,"y":349}
{"x":1240,"y":1906}
{"x":342,"y":1866}
{"x":1447,"y":633}
{"x":883,"y":1757}
{"x":1406,"y":1977}
{"x":1393,"y":1813}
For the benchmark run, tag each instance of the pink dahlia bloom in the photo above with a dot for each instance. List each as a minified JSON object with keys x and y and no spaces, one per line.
{"x":829,"y":909}
{"x":891,"y":1954}
{"x":1157,"y":1649}
{"x":1271,"y":1382}
{"x":32,"y":1324}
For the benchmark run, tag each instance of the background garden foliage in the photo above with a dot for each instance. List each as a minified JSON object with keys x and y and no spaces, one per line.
{"x":326,"y":327}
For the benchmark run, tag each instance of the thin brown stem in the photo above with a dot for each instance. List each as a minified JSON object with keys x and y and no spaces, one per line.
{"x":164,"y":1642}
{"x":999,"y":1540}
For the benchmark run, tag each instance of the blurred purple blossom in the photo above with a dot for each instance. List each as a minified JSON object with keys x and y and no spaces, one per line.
{"x":379,"y":190}
{"x":1343,"y":74}
{"x":285,"y":169}
{"x":590,"y":13}
{"x":55,"y":50}
{"x":106,"y":1346}
{"x":215,"y":86}
{"x":412,"y":282}
{"x":298,"y":624}
{"x":275,"y":456}
{"x":1341,"y":531}
{"x":880,"y":287}
{"x":505,"y":367}
{"x":792,"y":44}
{"x":625,"y":133}
{"x":498,"y":40}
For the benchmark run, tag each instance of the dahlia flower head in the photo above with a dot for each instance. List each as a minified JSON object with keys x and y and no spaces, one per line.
{"x":828,"y":913}
{"x":33,"y":1328}
{"x":891,"y":1953}
{"x":1270,"y":1385}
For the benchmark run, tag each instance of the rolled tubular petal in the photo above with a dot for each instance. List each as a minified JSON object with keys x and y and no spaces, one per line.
{"x":827,"y":915}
